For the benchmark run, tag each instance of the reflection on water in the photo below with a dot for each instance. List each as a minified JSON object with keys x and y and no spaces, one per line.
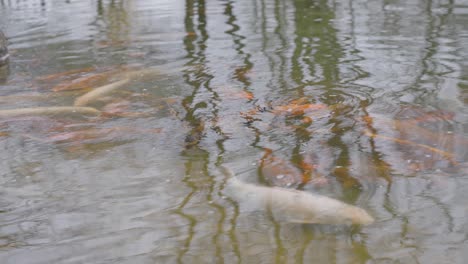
{"x":361,"y":101}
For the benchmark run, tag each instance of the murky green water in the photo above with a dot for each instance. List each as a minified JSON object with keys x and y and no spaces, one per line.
{"x":363,"y":101}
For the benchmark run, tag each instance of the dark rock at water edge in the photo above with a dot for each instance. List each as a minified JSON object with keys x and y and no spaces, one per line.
{"x":3,"y":49}
{"x":4,"y":69}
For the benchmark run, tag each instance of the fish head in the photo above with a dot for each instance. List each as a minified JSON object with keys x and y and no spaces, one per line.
{"x":358,"y":216}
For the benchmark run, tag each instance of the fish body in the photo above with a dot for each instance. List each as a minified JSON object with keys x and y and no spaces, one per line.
{"x":297,"y":206}
{"x":99,"y":92}
{"x":49,"y":111}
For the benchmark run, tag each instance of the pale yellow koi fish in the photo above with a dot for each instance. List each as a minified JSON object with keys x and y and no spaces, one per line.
{"x":99,"y":92}
{"x":296,"y":206}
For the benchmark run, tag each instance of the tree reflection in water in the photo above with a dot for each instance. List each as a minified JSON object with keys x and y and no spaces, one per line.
{"x":360,"y":101}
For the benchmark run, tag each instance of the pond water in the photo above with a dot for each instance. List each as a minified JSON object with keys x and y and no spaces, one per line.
{"x":362,"y":101}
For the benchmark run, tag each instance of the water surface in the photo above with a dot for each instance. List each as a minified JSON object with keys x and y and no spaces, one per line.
{"x":362,"y":101}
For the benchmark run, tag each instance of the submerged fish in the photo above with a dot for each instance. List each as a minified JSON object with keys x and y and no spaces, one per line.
{"x":49,"y":111}
{"x":99,"y":92}
{"x":296,"y":206}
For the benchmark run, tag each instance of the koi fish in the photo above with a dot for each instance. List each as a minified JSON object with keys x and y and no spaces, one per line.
{"x":92,"y":96}
{"x":49,"y":111}
{"x":296,"y":206}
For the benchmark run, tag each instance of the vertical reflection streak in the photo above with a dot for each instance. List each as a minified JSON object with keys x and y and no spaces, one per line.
{"x":433,"y":32}
{"x":214,"y":100}
{"x":191,"y":219}
{"x":265,"y":40}
{"x":195,"y":53}
{"x":199,"y":78}
{"x":239,"y":75}
{"x":279,"y":31}
{"x":280,"y":17}
{"x":317,"y":50}
{"x":317,"y":46}
{"x":361,"y":74}
{"x":190,"y":48}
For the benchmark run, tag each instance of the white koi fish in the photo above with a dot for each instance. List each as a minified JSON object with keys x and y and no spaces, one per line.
{"x":296,"y":206}
{"x":49,"y":111}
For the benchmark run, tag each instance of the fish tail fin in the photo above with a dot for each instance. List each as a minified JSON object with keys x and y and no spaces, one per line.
{"x":227,"y":172}
{"x":230,"y":176}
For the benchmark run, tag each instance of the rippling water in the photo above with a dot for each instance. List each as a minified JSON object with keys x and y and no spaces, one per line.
{"x":363,"y":101}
